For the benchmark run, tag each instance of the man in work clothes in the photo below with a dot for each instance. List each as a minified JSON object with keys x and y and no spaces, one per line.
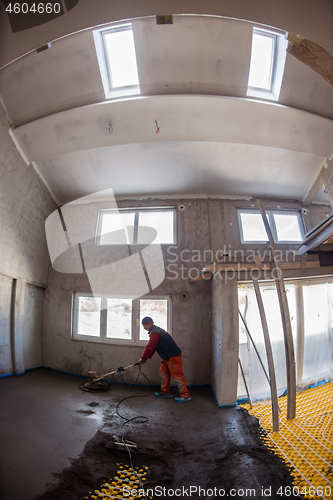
{"x":171,"y":365}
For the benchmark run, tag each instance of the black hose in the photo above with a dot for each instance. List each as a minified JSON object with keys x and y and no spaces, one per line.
{"x":140,"y":419}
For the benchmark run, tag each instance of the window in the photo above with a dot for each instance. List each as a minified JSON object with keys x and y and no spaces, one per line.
{"x":116,"y":55}
{"x":127,"y":227}
{"x":117,"y":320}
{"x":285,"y":225}
{"x":262,"y":60}
{"x":268,"y":56}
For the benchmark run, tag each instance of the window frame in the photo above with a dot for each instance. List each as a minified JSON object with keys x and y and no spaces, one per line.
{"x":278,"y":65}
{"x":270,"y":213}
{"x":135,"y":320}
{"x":136,"y":211}
{"x":273,"y":36}
{"x":105,"y":66}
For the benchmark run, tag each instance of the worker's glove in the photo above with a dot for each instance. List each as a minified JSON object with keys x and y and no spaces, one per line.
{"x":142,"y":361}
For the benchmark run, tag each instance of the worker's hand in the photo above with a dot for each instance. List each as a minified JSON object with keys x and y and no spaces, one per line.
{"x":142,"y":361}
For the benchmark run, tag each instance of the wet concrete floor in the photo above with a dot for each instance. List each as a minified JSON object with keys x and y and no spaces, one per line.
{"x":41,"y":429}
{"x":45,"y":421}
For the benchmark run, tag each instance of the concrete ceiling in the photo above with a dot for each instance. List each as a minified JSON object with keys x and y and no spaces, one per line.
{"x":212,"y":140}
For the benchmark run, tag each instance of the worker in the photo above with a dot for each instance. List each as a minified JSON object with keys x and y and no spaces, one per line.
{"x":171,"y":364}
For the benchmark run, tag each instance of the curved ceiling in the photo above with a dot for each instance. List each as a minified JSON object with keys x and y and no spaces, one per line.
{"x":211,"y":138}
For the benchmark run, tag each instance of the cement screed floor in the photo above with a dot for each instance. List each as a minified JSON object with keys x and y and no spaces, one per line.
{"x":58,"y":444}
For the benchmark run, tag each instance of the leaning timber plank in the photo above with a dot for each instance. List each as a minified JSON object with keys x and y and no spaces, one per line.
{"x":313,"y":55}
{"x":269,"y":353}
{"x":286,"y":323}
{"x":244,"y":380}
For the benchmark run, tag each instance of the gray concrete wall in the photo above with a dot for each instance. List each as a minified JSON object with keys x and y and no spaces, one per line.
{"x":204,"y":227}
{"x":5,"y":340}
{"x":191,"y":308}
{"x":32,"y":338}
{"x":225,"y":339}
{"x":24,"y":205}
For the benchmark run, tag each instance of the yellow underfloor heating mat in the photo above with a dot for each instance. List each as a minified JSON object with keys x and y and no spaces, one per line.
{"x":127,"y":484}
{"x":305,"y":443}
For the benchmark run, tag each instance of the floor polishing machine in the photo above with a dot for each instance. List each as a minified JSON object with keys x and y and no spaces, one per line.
{"x":98,"y":384}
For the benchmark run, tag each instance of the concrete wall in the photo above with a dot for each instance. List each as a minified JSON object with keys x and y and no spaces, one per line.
{"x":191,"y":308}
{"x":24,"y":205}
{"x":32,"y":338}
{"x":204,"y":227}
{"x":225,"y":339}
{"x":5,"y":337}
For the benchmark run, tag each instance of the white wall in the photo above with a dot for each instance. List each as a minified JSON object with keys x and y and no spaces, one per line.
{"x":312,"y":20}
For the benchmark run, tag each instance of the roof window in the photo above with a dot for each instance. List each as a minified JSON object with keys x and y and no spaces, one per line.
{"x":117,"y":61}
{"x":268,"y":56}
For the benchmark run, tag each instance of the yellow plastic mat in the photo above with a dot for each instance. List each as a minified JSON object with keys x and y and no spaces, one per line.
{"x":305,"y":443}
{"x":128,"y":484}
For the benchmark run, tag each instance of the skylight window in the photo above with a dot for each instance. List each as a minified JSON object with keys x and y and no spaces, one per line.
{"x":120,"y":51}
{"x":262,"y":60}
{"x":268,"y":55}
{"x":117,"y":60}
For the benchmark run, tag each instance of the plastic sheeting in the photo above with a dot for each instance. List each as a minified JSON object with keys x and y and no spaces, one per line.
{"x":317,"y":331}
{"x":318,"y":339}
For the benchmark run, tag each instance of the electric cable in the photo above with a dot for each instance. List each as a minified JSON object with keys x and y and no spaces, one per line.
{"x":140,"y":419}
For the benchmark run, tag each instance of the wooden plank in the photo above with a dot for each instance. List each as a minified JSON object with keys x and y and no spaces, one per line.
{"x":240,"y":266}
{"x":313,"y":55}
{"x":269,"y":353}
{"x":286,"y":323}
{"x":258,"y":261}
{"x":246,"y":388}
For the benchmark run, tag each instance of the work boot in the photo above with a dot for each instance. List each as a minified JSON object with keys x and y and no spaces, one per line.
{"x":164,"y":395}
{"x":182,"y":399}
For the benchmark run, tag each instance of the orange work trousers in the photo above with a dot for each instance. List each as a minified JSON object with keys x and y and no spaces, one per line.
{"x":172,"y":367}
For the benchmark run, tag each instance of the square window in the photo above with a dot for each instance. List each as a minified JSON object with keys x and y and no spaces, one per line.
{"x":160,"y":220}
{"x":287,"y":227}
{"x":116,"y":228}
{"x":127,"y":227}
{"x":253,"y":227}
